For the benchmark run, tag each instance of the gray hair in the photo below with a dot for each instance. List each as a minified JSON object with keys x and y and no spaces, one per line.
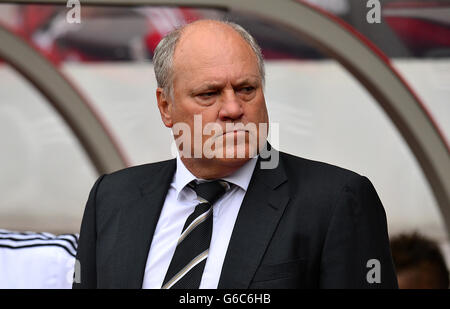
{"x":164,"y":52}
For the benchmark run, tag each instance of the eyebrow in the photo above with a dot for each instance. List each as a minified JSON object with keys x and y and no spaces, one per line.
{"x":208,"y":86}
{"x":248,"y":80}
{"x":252,"y":80}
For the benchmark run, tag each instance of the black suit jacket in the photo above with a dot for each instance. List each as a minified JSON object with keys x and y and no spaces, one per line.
{"x":304,"y":224}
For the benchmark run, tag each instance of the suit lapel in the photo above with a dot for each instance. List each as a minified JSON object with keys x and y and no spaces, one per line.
{"x":137,"y":225}
{"x":260,"y":212}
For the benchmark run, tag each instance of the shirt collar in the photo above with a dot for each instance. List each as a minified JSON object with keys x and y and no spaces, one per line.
{"x":241,"y":177}
{"x":182,"y":176}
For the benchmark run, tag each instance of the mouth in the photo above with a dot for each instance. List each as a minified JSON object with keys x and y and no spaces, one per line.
{"x":235,"y":132}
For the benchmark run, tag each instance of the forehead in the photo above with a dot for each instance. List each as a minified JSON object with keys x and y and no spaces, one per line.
{"x":213,"y":49}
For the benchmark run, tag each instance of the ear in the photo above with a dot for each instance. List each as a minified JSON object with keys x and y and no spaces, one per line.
{"x":165,"y":107}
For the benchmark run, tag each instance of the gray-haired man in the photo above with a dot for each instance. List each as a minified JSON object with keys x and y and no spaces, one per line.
{"x":223,"y":221}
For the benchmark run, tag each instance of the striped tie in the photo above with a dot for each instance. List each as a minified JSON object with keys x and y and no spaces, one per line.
{"x":186,"y":268}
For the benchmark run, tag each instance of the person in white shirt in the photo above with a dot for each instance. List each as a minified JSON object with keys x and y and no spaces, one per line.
{"x":32,"y":260}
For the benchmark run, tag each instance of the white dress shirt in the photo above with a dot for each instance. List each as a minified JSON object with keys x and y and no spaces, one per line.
{"x":180,"y":202}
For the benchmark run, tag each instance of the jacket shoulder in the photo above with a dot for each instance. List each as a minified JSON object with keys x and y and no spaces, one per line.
{"x":144,"y":169}
{"x":316,"y":176}
{"x":129,"y":180}
{"x":311,"y":168}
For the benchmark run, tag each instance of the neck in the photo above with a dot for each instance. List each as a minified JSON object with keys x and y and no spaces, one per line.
{"x":212,"y":168}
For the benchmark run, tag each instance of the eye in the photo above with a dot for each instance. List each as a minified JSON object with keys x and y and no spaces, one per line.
{"x":207,"y":95}
{"x":247,"y":90}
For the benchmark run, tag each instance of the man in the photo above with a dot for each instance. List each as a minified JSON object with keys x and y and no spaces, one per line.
{"x":419,"y":262}
{"x":224,"y":220}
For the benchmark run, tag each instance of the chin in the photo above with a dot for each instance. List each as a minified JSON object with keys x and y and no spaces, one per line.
{"x":239,"y":152}
{"x":232,"y":161}
{"x":235,"y":158}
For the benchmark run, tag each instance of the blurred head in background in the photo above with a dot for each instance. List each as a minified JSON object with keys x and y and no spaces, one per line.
{"x":419,"y":262}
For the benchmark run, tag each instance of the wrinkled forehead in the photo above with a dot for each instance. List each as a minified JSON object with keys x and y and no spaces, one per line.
{"x":209,"y":43}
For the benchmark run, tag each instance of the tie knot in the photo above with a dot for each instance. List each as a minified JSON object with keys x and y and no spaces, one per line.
{"x":210,"y":191}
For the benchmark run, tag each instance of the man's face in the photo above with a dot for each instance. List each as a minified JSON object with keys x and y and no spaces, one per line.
{"x":216,"y":76}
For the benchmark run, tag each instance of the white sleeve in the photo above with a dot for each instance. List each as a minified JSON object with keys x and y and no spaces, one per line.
{"x":30,"y":260}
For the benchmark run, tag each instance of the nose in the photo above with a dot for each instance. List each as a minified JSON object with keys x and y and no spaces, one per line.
{"x":231,"y":108}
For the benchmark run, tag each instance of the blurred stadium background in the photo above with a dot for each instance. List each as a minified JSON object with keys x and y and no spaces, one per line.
{"x":323,"y":112}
